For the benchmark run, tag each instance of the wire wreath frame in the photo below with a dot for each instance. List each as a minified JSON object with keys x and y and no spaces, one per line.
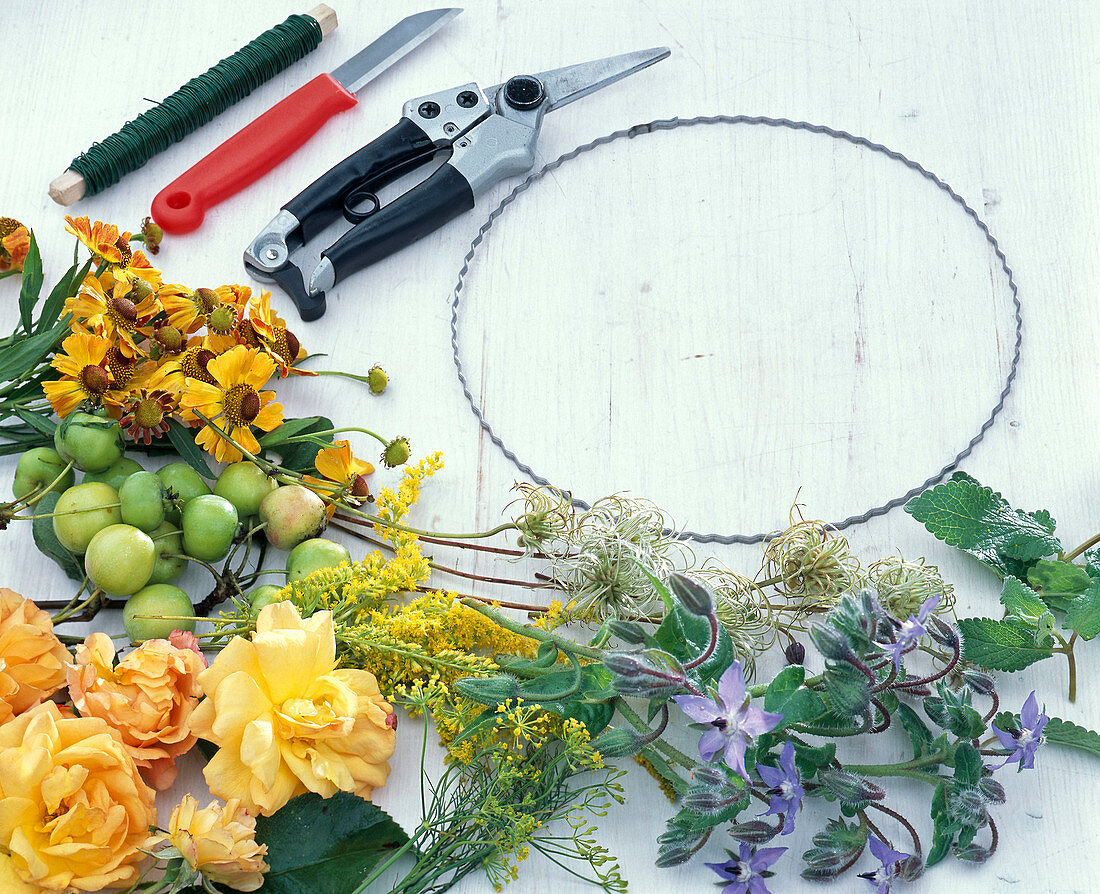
{"x":672,"y":124}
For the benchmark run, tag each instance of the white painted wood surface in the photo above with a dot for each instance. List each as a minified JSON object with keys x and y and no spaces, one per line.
{"x":711,"y":319}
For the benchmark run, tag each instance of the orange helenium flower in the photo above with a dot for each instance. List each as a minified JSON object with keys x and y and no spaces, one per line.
{"x":15,"y":242}
{"x":99,"y":238}
{"x":84,"y":374}
{"x":234,"y":402}
{"x":104,"y":313}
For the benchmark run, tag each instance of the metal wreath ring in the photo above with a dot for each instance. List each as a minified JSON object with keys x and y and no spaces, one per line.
{"x":672,"y":124}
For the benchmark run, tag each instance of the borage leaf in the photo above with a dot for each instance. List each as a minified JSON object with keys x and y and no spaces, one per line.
{"x":321,"y":845}
{"x":787,"y":696}
{"x":980,"y":521}
{"x":1000,"y":645}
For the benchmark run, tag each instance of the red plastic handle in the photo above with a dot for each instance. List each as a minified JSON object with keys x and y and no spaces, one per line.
{"x":249,"y":154}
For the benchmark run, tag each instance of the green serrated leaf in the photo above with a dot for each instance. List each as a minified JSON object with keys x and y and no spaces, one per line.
{"x":1022,"y":603}
{"x":1000,"y":645}
{"x":980,"y":521}
{"x":300,"y":456}
{"x":1069,"y":735}
{"x":1092,"y":562}
{"x":919,"y":734}
{"x":1083,"y":615}
{"x":46,"y":540}
{"x":189,"y":452}
{"x":1058,"y":582}
{"x":321,"y":845}
{"x":968,"y":765}
{"x":32,"y":284}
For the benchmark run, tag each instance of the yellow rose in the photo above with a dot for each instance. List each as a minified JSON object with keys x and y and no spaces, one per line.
{"x":219,"y":842}
{"x":286,"y":720}
{"x":32,"y":659}
{"x":147,"y":699}
{"x":73,"y":807}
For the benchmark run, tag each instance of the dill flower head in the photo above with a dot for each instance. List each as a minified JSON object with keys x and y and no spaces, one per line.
{"x":613,"y":549}
{"x":903,"y":587}
{"x":811,"y":561}
{"x":547,"y":517}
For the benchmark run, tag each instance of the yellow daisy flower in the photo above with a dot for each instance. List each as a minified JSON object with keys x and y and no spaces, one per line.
{"x":100,"y":238}
{"x":132,"y":272}
{"x":146,"y":415}
{"x":15,"y":242}
{"x":188,"y":309}
{"x":342,"y":472}
{"x":234,"y":402}
{"x":97,"y":311}
{"x":84,"y":375}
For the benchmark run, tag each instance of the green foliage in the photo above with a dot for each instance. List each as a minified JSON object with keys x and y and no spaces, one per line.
{"x":787,"y":696}
{"x":321,"y":845}
{"x":31,"y":286}
{"x":1024,"y":605}
{"x":1083,"y":615}
{"x":685,"y":636}
{"x":46,"y":540}
{"x":980,"y":521}
{"x":1057,"y":732}
{"x":1058,"y":582}
{"x":847,"y":690}
{"x":1001,"y":645}
{"x":298,"y":456}
{"x":951,"y":711}
{"x":188,"y":450}
{"x":837,"y":845}
{"x":968,"y":765}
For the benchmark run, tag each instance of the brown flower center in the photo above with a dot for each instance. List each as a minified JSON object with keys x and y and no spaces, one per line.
{"x":8,"y":225}
{"x":359,"y":487}
{"x":93,"y":379}
{"x":286,"y":344}
{"x":206,"y":300}
{"x":241,"y":404}
{"x":122,"y":312}
{"x":123,"y":245}
{"x":121,"y":367}
{"x":246,"y":334}
{"x":193,"y":364}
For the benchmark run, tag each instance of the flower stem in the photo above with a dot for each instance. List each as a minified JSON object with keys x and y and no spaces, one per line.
{"x":566,"y":645}
{"x":313,"y":435}
{"x":909,"y":769}
{"x":1073,"y":554}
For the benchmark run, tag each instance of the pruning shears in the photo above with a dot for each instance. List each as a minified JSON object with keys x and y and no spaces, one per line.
{"x":487,"y":136}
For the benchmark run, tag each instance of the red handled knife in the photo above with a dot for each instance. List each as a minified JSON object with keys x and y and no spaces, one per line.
{"x":285,"y":127}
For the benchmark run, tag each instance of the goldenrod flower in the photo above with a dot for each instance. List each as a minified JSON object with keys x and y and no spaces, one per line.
{"x":32,"y":659}
{"x":147,"y":698}
{"x":15,"y":242}
{"x":101,"y":312}
{"x":101,"y":239}
{"x":219,"y":842}
{"x":286,"y":720}
{"x":84,"y":374}
{"x":75,"y":809}
{"x":235,"y":401}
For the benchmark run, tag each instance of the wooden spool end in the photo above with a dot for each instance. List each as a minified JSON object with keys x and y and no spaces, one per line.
{"x":325,"y":16}
{"x":68,"y":188}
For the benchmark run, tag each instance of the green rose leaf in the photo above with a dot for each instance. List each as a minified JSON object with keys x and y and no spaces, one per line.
{"x":1083,"y":615}
{"x":1001,"y":645}
{"x":321,"y":845}
{"x":980,"y":521}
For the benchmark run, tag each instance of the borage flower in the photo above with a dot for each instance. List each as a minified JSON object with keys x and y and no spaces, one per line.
{"x":734,"y":723}
{"x":235,"y":401}
{"x":1024,"y":742}
{"x":890,"y":870}
{"x":746,"y":871}
{"x":911,"y":630}
{"x":15,"y":242}
{"x":784,"y":787}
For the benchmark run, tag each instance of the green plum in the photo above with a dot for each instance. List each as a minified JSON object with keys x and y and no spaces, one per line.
{"x":120,"y":559}
{"x":82,"y":512}
{"x":313,"y":555}
{"x":209,"y":526}
{"x":142,"y":497}
{"x":116,"y":473}
{"x":244,"y":484}
{"x":185,"y":483}
{"x":40,"y":467}
{"x":93,"y":443}
{"x":167,"y":566}
{"x":262,"y":597}
{"x":155,"y":611}
{"x":291,"y":514}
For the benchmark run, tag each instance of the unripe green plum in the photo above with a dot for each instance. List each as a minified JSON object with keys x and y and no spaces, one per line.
{"x":120,"y":559}
{"x":39,"y":467}
{"x":168,"y":540}
{"x":93,"y":443}
{"x":209,"y":526}
{"x":82,"y":512}
{"x":313,"y":555}
{"x":291,"y":514}
{"x":154,"y":612}
{"x":186,"y":483}
{"x":116,"y":473}
{"x":142,"y":498}
{"x":244,"y":484}
{"x":262,"y":597}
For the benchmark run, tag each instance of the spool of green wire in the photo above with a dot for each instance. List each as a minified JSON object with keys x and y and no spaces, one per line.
{"x":194,"y":104}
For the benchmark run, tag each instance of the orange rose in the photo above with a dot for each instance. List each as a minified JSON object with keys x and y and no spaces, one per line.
{"x":287,"y":720}
{"x":74,"y":810}
{"x":32,"y":659}
{"x":147,"y":698}
{"x":219,"y":842}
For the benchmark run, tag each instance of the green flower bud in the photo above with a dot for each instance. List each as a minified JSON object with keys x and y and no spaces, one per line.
{"x":377,"y":380}
{"x":396,"y":453}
